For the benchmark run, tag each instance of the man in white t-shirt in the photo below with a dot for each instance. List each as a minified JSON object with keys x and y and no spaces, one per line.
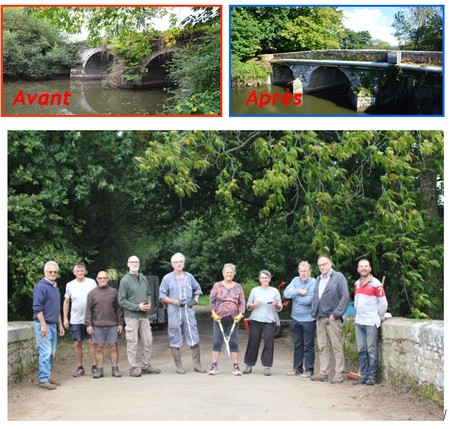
{"x":75,"y":298}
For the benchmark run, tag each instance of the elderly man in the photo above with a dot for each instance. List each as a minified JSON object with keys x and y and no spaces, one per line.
{"x":75,"y":299}
{"x":135,"y":298}
{"x":181,"y":291}
{"x":330,"y":302}
{"x":104,"y":321}
{"x":303,"y":326}
{"x":47,"y":323}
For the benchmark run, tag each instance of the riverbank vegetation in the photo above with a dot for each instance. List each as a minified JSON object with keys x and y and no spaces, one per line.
{"x":258,"y":199}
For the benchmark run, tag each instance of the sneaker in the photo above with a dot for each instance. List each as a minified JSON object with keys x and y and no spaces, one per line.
{"x":46,"y":385}
{"x":150,"y":370}
{"x":338,"y":378}
{"x":248,"y":369}
{"x":115,"y":372}
{"x":319,"y":377}
{"x":54,"y":382}
{"x":294,"y":372}
{"x":361,"y":380}
{"x":79,"y":372}
{"x":93,"y":369}
{"x":266,"y":370}
{"x":306,"y":374}
{"x":371,"y":381}
{"x":213,"y":370}
{"x":236,"y":371}
{"x":135,"y":372}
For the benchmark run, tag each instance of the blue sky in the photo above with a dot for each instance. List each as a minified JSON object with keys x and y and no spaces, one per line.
{"x":377,"y":20}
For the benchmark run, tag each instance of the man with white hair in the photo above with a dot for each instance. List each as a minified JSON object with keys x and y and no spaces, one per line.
{"x":181,"y":291}
{"x":47,"y":323}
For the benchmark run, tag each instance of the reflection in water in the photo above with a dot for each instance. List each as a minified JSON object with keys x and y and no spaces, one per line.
{"x":88,"y":98}
{"x":331,"y":102}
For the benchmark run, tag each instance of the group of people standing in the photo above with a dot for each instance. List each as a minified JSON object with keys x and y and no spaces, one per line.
{"x":100,"y":313}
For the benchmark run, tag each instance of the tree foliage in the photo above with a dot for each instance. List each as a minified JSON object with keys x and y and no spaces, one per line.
{"x":33,"y":49}
{"x":259,"y":199}
{"x":419,"y":28}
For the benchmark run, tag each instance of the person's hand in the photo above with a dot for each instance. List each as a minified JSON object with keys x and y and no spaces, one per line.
{"x":119,"y":329}
{"x":145,"y":307}
{"x":238,"y":318}
{"x":175,"y":302}
{"x":90,"y":330}
{"x":257,"y":303}
{"x":275,"y":304}
{"x":66,"y":323}
{"x":192,"y":302}
{"x":216,"y":317}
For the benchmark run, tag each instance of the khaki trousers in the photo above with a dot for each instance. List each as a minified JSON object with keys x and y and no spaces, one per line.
{"x":135,"y":328}
{"x":330,"y":334}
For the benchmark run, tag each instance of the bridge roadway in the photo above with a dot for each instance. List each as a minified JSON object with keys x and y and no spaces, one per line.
{"x":200,"y":398}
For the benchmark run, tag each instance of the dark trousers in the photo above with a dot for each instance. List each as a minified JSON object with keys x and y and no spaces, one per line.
{"x":303,"y":334}
{"x":257,"y":331}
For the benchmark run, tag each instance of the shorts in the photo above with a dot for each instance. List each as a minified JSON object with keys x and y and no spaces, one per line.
{"x":79,"y":332}
{"x":105,"y":335}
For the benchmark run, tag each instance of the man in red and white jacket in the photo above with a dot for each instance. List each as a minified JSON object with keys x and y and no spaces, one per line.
{"x":371,"y":305}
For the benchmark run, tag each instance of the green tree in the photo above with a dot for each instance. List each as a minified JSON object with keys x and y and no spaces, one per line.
{"x":419,"y":28}
{"x":33,"y":49}
{"x":355,"y":39}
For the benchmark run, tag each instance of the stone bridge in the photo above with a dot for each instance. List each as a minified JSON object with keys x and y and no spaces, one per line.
{"x":367,"y":77}
{"x":99,"y":62}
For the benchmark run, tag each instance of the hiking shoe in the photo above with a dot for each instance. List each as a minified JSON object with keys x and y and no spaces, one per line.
{"x":294,"y":372}
{"x":266,"y":370}
{"x":306,"y":374}
{"x":248,"y":369}
{"x":46,"y":385}
{"x":115,"y":371}
{"x":135,"y":372}
{"x":338,"y":378}
{"x":150,"y":370}
{"x":54,"y":382}
{"x":213,"y":370}
{"x":236,"y":371}
{"x":362,"y":380}
{"x":371,"y":381}
{"x":93,"y":369}
{"x":97,"y":372}
{"x":79,"y":372}
{"x":319,"y":377}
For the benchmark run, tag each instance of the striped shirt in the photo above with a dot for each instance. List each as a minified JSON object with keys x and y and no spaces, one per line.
{"x":370,"y":302}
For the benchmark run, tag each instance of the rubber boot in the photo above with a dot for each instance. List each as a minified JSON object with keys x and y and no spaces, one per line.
{"x":196,"y":359}
{"x":177,"y":359}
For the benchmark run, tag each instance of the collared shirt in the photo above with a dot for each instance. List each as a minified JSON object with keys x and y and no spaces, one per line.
{"x":324,"y":281}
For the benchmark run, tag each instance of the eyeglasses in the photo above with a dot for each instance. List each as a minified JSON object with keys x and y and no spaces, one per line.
{"x":52,"y":272}
{"x":102,"y":278}
{"x":322,"y":265}
{"x":133,"y":262}
{"x":178,"y":262}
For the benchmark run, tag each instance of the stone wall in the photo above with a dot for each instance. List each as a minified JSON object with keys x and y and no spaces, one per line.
{"x":413,"y":351}
{"x":22,"y":351}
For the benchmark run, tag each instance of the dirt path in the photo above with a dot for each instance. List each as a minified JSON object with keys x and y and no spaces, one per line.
{"x":199,"y":397}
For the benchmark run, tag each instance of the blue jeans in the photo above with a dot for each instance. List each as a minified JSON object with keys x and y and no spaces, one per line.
{"x":46,"y":349}
{"x":367,"y":342}
{"x":303,"y":334}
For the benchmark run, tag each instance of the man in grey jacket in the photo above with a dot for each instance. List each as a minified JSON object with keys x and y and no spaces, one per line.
{"x":330,"y":302}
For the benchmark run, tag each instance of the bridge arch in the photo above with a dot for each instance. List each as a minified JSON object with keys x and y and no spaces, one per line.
{"x":95,"y":63}
{"x":154,"y":68}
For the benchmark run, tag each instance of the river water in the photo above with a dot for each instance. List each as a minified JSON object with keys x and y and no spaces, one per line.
{"x":331,"y":102}
{"x":87,"y":98}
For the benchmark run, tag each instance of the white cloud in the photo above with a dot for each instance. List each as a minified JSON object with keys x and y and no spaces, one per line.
{"x":377,"y":23}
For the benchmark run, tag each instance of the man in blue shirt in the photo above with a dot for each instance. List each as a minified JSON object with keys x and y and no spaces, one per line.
{"x":47,"y":323}
{"x":303,"y":326}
